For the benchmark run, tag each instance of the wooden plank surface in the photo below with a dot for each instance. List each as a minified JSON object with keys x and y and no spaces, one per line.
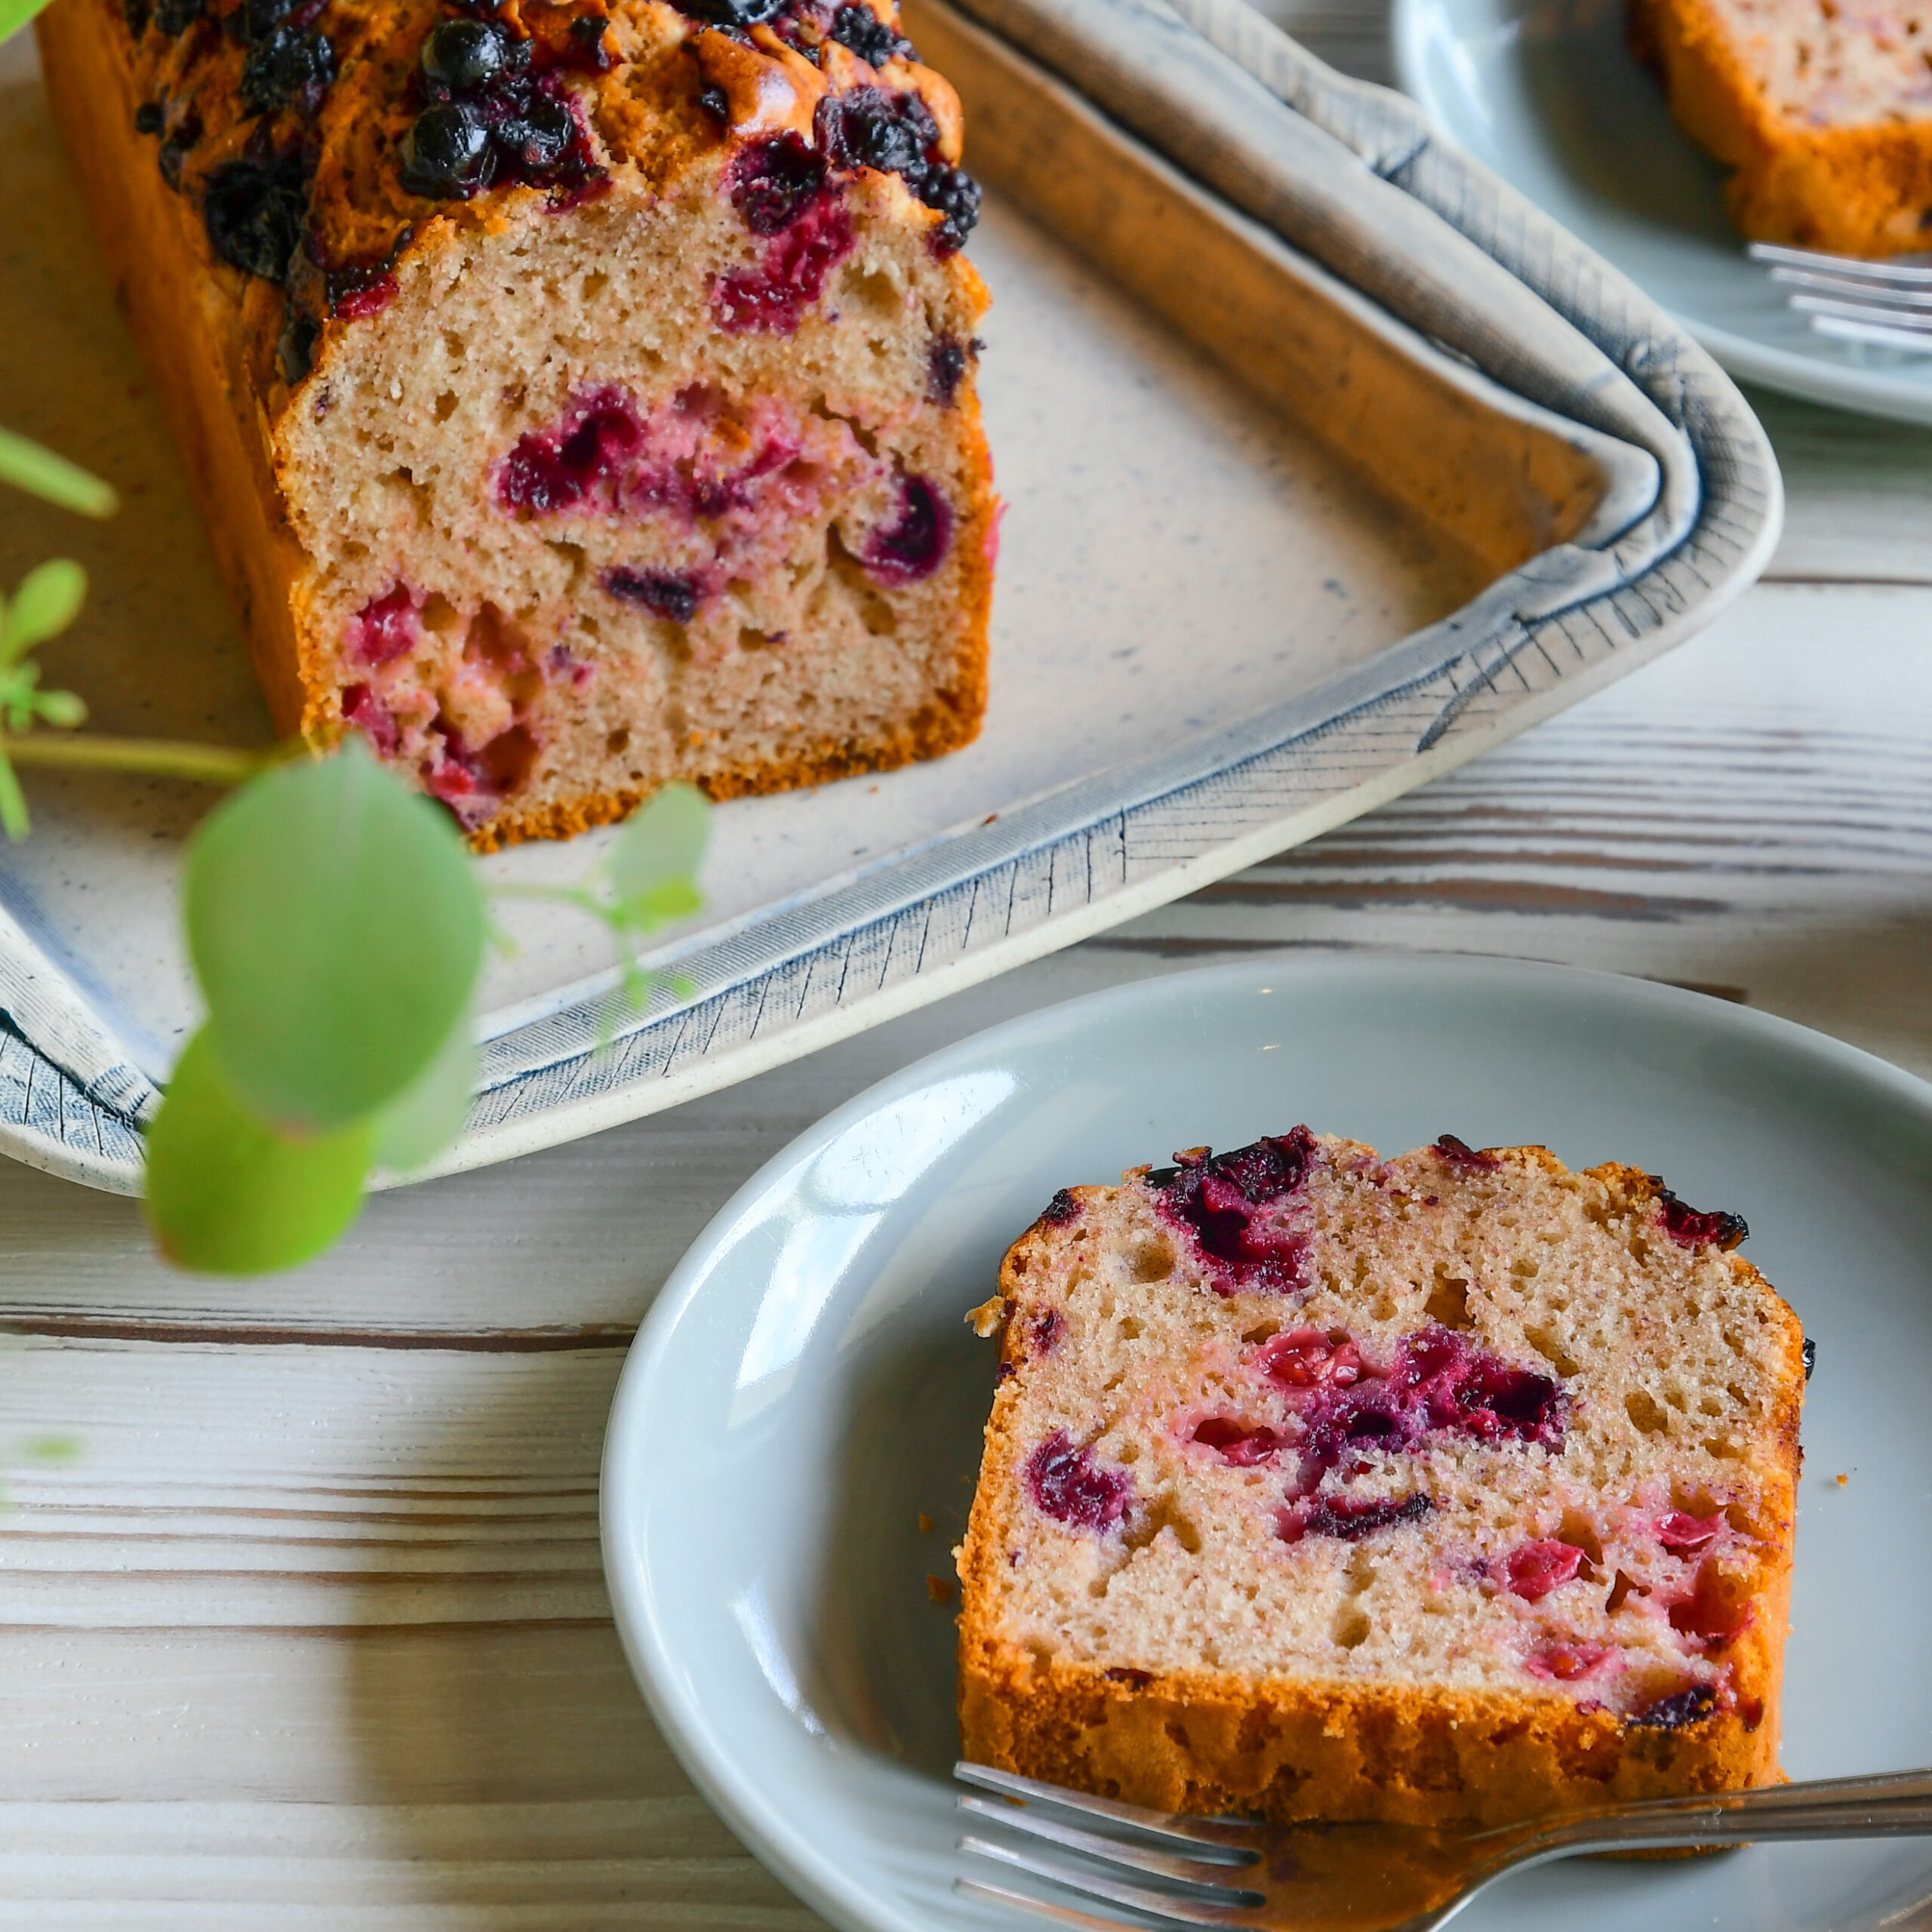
{"x":299,"y":1583}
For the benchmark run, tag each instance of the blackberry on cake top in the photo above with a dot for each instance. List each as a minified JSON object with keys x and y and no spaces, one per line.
{"x":1447,"y":1489}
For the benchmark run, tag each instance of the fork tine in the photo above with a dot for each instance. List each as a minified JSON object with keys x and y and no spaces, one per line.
{"x":1062,"y":1915}
{"x":1114,"y":1851}
{"x":1097,"y":1885}
{"x":1231,"y":1836}
{"x":1863,"y":312}
{"x":1916,"y":272}
{"x":1907,"y":294}
{"x":1910,"y":340}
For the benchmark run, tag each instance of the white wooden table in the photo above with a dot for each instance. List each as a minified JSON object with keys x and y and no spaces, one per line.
{"x":309,"y":1629}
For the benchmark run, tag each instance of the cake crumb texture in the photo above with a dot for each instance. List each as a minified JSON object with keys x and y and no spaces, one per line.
{"x":1824,"y":112}
{"x":1447,"y":1489}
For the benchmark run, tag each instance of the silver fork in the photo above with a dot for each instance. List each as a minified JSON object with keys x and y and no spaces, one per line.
{"x":1888,"y":303}
{"x":1224,"y":1873}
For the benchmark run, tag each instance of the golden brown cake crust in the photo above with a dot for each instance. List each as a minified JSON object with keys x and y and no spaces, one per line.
{"x":1849,"y":188}
{"x":593,"y":700}
{"x":1215,"y":1741}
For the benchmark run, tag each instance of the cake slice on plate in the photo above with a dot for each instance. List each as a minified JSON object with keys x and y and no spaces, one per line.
{"x":1449,"y":1488}
{"x":1825,"y":112}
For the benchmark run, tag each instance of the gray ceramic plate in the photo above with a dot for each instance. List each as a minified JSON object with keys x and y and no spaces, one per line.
{"x":805,"y":1386}
{"x":1546,"y":93}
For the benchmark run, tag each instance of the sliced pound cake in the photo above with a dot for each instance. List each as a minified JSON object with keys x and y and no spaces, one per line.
{"x":1454,"y":1487}
{"x":1826,"y":113}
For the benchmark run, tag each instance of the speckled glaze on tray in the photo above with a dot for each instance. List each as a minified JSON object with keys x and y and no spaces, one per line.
{"x":1487,"y":476}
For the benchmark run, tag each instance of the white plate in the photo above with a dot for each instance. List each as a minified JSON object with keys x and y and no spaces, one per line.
{"x":1547,"y":93}
{"x":805,"y":1385}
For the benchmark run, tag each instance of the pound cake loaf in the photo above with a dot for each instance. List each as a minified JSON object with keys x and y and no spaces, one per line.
{"x":1450,"y":1489}
{"x":580,"y":393}
{"x":1825,"y":112}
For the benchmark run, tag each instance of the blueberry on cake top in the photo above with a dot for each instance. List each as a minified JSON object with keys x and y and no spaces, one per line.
{"x":1453,"y":1487}
{"x":579,"y":395}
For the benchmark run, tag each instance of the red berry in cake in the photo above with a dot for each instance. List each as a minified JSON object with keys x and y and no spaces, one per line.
{"x":913,"y":547}
{"x":1460,"y":1154}
{"x":1043,"y":1331}
{"x":384,"y":628}
{"x":1070,"y":1487}
{"x":1063,"y":1207}
{"x":361,"y":708}
{"x":1688,"y":1534}
{"x":1236,"y":1442}
{"x":1573,"y":1660}
{"x":1535,"y":1569}
{"x":1689,"y":1229}
{"x":1226,"y":1203}
{"x":1307,"y":1358}
{"x":357,"y":291}
{"x":1712,"y":1611}
{"x":790,"y":277}
{"x":552,"y":470}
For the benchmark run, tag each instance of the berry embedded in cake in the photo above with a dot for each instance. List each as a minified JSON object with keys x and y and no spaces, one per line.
{"x":583,"y":391}
{"x":1446,"y":1489}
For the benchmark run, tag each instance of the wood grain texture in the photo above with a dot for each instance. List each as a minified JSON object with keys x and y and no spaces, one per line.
{"x":310,"y":1632}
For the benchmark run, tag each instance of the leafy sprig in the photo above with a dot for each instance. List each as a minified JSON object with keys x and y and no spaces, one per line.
{"x":336,"y":925}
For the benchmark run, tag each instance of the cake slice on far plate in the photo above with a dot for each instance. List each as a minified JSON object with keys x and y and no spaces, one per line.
{"x":1447,"y":1489}
{"x":1826,"y":113}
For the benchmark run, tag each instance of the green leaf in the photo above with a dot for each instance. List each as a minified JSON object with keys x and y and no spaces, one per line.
{"x":48,"y":600}
{"x":13,"y":819}
{"x":658,"y":846}
{"x":663,"y":904}
{"x":229,"y":1194}
{"x":25,"y":464}
{"x":54,"y":1448}
{"x":66,"y":711}
{"x":421,"y":1121}
{"x":336,"y":925}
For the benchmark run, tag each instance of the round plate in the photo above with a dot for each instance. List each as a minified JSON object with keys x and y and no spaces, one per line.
{"x":1547,"y":94}
{"x":805,"y":1392}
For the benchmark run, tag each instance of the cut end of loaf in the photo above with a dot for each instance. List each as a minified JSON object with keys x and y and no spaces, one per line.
{"x":1451,"y":1488}
{"x":573,"y":539}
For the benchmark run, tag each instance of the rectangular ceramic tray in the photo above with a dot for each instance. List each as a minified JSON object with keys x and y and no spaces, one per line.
{"x":1330,"y":462}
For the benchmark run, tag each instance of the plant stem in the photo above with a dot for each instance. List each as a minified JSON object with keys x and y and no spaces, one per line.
{"x":165,"y":757}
